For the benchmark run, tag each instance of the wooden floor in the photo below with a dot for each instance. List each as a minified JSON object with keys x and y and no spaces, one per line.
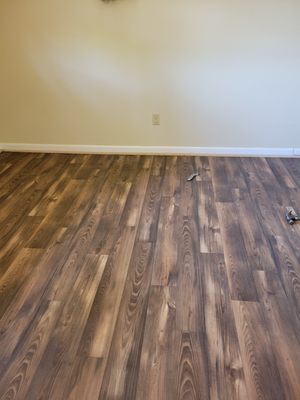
{"x":121,"y":280}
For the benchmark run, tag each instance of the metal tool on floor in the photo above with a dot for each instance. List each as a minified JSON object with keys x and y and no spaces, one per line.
{"x":291,"y":215}
{"x":192,"y":176}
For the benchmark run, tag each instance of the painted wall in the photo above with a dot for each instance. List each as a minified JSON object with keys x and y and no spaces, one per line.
{"x":220,"y":73}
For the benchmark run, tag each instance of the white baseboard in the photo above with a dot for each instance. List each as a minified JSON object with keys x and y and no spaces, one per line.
{"x":164,"y":150}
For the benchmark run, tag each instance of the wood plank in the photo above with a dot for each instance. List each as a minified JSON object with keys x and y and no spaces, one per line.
{"x":209,"y":227}
{"x":134,"y":203}
{"x":86,"y":379}
{"x":241,"y":280}
{"x":166,"y":249}
{"x":226,"y":373}
{"x":17,"y":175}
{"x":222,"y":188}
{"x":150,"y":212}
{"x":16,"y":240}
{"x":282,"y":174}
{"x":258,"y":248}
{"x":165,"y":256}
{"x":158,"y":372}
{"x":293,"y":166}
{"x":120,"y":378}
{"x":16,"y":275}
{"x":202,"y":167}
{"x":272,"y":221}
{"x":235,"y":176}
{"x":191,"y":383}
{"x":261,"y":371}
{"x":171,"y":178}
{"x":188,"y":287}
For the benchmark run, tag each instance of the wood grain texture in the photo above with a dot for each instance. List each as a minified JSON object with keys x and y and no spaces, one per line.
{"x":226,"y":372}
{"x":241,"y":280}
{"x":282,"y":323}
{"x":257,"y":353}
{"x":120,"y":280}
{"x":120,"y":378}
{"x":158,"y":373}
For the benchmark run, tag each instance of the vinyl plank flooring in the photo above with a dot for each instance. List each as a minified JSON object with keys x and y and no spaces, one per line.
{"x":121,"y":280}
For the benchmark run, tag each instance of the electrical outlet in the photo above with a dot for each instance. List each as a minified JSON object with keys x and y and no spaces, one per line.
{"x":155,"y":119}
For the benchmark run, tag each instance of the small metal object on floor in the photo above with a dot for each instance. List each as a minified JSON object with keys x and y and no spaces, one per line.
{"x":291,"y":215}
{"x":192,"y":176}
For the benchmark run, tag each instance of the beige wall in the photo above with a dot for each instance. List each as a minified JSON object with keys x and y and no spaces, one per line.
{"x":220,"y":72}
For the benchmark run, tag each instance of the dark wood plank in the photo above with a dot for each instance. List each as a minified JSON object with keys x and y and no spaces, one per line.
{"x":241,"y":280}
{"x":157,"y":379}
{"x":258,"y":248}
{"x":120,"y":378}
{"x":150,"y":212}
{"x":209,"y":226}
{"x":226,"y":373}
{"x":16,"y":240}
{"x":261,"y":371}
{"x":191,"y":384}
{"x":86,"y":379}
{"x":16,"y":275}
{"x":166,"y":248}
{"x":202,"y":167}
{"x":293,"y":166}
{"x":222,"y":188}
